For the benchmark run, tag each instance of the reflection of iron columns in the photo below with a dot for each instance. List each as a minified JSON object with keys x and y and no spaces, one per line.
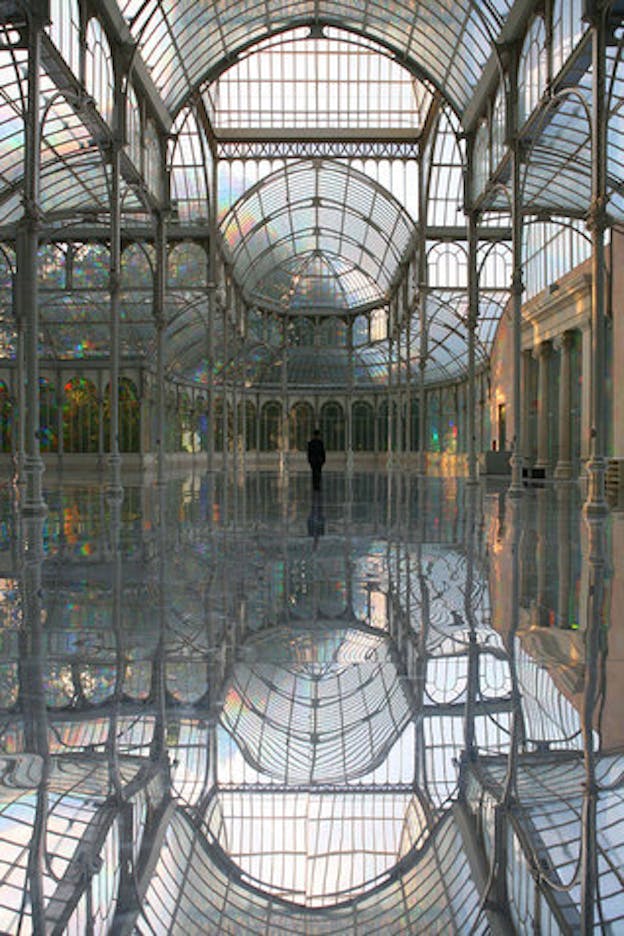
{"x":596,"y":560}
{"x":596,"y":467}
{"x":27,"y":282}
{"x":33,"y":702}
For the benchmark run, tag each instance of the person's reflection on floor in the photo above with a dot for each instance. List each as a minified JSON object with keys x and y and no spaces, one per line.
{"x":316,"y":520}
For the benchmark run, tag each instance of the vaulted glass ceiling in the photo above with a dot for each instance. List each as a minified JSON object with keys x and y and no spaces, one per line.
{"x":318,"y":237}
{"x":185,"y":42}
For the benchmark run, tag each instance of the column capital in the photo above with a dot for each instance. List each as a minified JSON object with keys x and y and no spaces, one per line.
{"x":596,"y":218}
{"x":543,"y":349}
{"x":32,"y":216}
{"x":567,"y":339}
{"x":517,"y":283}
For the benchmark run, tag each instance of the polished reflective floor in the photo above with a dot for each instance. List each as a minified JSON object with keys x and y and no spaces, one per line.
{"x":391,"y":707}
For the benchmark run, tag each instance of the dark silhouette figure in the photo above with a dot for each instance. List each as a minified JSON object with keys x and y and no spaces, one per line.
{"x":316,"y":458}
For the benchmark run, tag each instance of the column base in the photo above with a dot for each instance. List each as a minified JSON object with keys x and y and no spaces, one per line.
{"x":563,"y":471}
{"x":33,"y":504}
{"x":543,"y":466}
{"x":596,"y":503}
{"x":516,"y":488}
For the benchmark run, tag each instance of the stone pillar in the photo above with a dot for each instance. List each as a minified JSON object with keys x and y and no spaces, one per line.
{"x":525,"y":421}
{"x":563,"y":471}
{"x":543,"y":356}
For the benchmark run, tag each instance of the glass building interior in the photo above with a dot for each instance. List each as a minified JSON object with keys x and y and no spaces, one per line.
{"x":231,"y":703}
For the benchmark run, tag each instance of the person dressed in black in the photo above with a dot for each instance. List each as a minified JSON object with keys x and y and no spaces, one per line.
{"x":316,"y":458}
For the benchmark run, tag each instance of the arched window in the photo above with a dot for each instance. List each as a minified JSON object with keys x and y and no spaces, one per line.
{"x":332,"y":332}
{"x":379,"y":325}
{"x":185,"y":422}
{"x":187,"y":266}
{"x":129,"y":416}
{"x":433,"y":418}
{"x":64,"y":31}
{"x":217,"y":425}
{"x":90,"y":266}
{"x":302,"y":332}
{"x":137,"y":270}
{"x":532,"y":69}
{"x":99,"y":76}
{"x":568,"y":27}
{"x":382,"y":425}
{"x":360,"y":331}
{"x":201,"y":423}
{"x":449,"y":420}
{"x":52,"y":266}
{"x":499,"y":126}
{"x":363,"y":427}
{"x":6,"y":418}
{"x":446,"y":173}
{"x":481,"y":158}
{"x":333,"y":427}
{"x":270,"y":423}
{"x":190,"y":167}
{"x":448,"y":266}
{"x":301,"y":426}
{"x":48,"y":416}
{"x":81,"y":420}
{"x":251,"y":435}
{"x":133,"y":127}
{"x":153,"y":162}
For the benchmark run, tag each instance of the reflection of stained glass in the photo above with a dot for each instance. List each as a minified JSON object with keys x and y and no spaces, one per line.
{"x":52,"y":266}
{"x":81,"y":417}
{"x":90,"y":267}
{"x":137,"y":267}
{"x":48,"y":416}
{"x":188,"y":266}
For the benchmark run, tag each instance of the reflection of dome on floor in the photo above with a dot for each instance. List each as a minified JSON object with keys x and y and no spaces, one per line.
{"x":316,"y":848}
{"x":316,"y":706}
{"x":431,"y":890}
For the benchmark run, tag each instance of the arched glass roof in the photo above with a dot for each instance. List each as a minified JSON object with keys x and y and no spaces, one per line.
{"x":294,"y":703}
{"x":183,"y":43}
{"x":317,"y":236}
